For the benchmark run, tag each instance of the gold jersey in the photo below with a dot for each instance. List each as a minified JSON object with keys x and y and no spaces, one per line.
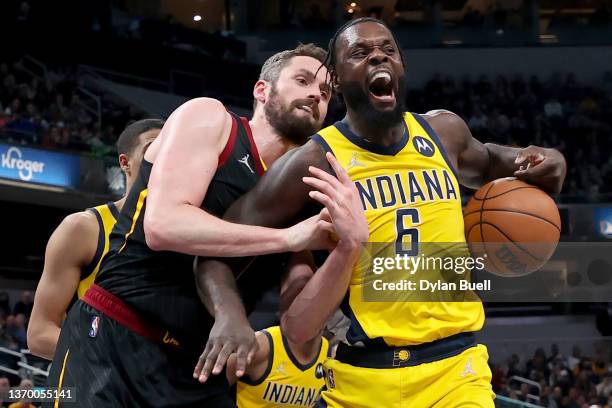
{"x":286,"y":382}
{"x":410,"y":195}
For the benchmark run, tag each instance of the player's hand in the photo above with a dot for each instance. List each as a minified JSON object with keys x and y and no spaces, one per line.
{"x":541,"y":167}
{"x":229,"y":334}
{"x":314,"y":233}
{"x":341,"y":200}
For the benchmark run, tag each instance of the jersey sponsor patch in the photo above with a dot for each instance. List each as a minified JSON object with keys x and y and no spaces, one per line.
{"x":423,"y":146}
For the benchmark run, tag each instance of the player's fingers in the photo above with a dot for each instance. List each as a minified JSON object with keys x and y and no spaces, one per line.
{"x":241,"y":360}
{"x":209,"y":362}
{"x":326,"y":226}
{"x":324,"y":200}
{"x":527,"y":155}
{"x":325,"y":188}
{"x":252,"y":352}
{"x":200,"y":364}
{"x":338,"y":169}
{"x":325,"y":176}
{"x":226,"y":351}
{"x":324,"y":214}
{"x":545,"y":168}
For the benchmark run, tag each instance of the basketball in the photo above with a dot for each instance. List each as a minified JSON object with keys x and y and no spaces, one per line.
{"x":513,"y":225}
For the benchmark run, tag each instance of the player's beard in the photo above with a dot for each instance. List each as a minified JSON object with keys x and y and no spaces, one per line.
{"x":359,"y":101}
{"x":283,"y":118}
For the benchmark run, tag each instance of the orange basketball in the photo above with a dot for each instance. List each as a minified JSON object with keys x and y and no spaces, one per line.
{"x":515,"y":226}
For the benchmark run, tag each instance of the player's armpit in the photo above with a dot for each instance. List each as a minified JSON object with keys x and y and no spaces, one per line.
{"x":71,"y":247}
{"x":280,"y":196}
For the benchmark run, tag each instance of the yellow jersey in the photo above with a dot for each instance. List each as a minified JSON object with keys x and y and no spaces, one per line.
{"x":106,"y":214}
{"x":286,"y":382}
{"x":410,"y":195}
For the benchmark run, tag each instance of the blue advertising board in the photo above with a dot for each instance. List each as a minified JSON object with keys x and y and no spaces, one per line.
{"x":39,"y":166}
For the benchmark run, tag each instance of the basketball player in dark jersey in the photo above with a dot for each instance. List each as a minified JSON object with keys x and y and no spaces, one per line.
{"x":78,"y":244}
{"x":378,"y":138}
{"x":132,"y":340}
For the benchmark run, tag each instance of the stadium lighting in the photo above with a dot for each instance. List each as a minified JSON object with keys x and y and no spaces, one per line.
{"x":197,"y":17}
{"x":353,"y":4}
{"x":351,"y":11}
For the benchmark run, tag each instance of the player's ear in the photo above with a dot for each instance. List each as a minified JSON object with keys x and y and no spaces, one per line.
{"x":259,"y":91}
{"x":124,"y":163}
{"x":334,"y":81}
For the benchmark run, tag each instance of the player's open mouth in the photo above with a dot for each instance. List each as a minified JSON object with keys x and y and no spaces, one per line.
{"x":381,"y":87}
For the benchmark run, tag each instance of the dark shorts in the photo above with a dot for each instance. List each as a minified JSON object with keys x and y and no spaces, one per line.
{"x":108,"y":365}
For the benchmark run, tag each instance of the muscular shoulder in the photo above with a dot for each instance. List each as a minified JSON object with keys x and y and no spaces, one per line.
{"x":198,"y":116}
{"x":78,"y":235}
{"x":311,"y":154}
{"x":81,"y":224}
{"x":450,"y":128}
{"x":203,"y":107}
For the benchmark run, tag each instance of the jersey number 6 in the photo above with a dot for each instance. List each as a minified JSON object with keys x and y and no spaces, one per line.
{"x":410,"y":248}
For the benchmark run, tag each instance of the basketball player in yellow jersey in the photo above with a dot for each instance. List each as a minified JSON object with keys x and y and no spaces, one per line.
{"x":282,"y":373}
{"x":78,"y":244}
{"x":407,"y":169}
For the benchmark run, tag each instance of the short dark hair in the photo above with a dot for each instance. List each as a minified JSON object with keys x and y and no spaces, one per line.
{"x":271,"y":69}
{"x":128,"y":139}
{"x":330,"y":60}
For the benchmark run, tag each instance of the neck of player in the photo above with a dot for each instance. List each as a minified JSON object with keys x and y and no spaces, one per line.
{"x":270,"y":143}
{"x":305,"y":352}
{"x":375,"y":134}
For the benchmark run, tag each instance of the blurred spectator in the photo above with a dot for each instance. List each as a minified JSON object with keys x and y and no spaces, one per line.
{"x":478,"y":121}
{"x":588,"y":384}
{"x":25,"y":304}
{"x":5,"y":385}
{"x":5,"y":307}
{"x":557,"y":112}
{"x":575,"y":358}
{"x":16,"y":330}
{"x":50,"y":112}
{"x":552,"y":108}
{"x":604,"y":388}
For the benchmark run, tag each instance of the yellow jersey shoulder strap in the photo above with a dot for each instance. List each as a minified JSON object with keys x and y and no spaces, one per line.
{"x":106,"y":215}
{"x":257,"y":381}
{"x":411,"y":118}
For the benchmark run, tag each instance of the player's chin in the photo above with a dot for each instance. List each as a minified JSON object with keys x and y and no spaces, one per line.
{"x":305,"y":119}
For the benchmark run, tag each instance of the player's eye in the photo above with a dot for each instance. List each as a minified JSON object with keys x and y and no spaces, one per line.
{"x":301,"y":81}
{"x":358,"y":54}
{"x":324,"y":94}
{"x":390,"y":50}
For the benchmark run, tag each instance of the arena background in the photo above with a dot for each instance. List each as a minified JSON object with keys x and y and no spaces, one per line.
{"x":520,"y":72}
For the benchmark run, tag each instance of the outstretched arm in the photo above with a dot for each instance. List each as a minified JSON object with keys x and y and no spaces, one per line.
{"x":185,"y":158}
{"x":479,"y":163}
